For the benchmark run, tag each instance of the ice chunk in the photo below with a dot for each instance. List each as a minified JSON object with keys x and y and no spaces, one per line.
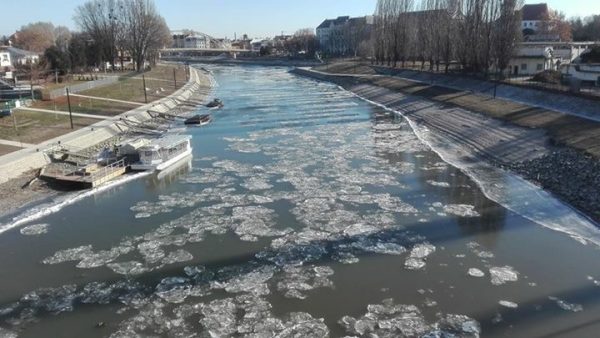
{"x":414,"y":263}
{"x":297,"y":280}
{"x":73,"y":254}
{"x":128,"y":268}
{"x":4,"y":333}
{"x":35,"y":229}
{"x":438,"y":184}
{"x":463,"y":210}
{"x":508,"y":304}
{"x":565,"y":305}
{"x":391,"y":320}
{"x":474,"y":272}
{"x":422,"y":250}
{"x":504,"y":274}
{"x":177,"y":256}
{"x":256,"y":183}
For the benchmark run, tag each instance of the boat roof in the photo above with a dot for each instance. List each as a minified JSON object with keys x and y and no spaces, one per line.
{"x":166,"y":142}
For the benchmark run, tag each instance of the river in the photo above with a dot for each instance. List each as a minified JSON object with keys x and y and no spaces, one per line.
{"x":306,"y":212}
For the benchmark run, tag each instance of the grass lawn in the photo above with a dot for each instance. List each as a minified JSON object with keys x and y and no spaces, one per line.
{"x":35,"y":127}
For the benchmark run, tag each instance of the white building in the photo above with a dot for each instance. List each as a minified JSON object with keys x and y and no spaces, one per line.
{"x":533,"y":15}
{"x":197,"y":41}
{"x":19,"y":56}
{"x":337,"y":36}
{"x":5,"y":59}
{"x":533,"y":57}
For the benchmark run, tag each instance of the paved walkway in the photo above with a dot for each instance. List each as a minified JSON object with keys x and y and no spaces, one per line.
{"x":110,"y":100}
{"x":59,"y":112}
{"x":16,"y":144}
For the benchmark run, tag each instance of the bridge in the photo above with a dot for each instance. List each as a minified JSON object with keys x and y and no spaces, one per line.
{"x":202,"y":42}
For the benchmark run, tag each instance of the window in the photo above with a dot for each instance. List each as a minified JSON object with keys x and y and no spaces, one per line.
{"x":523,"y":66}
{"x":540,"y":66}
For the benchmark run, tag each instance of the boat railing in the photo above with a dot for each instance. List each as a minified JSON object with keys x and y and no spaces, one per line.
{"x":108,"y":169}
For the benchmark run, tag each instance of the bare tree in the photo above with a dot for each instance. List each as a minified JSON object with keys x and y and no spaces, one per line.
{"x":147,"y":31}
{"x":35,"y":37}
{"x":98,"y":18}
{"x":507,"y":33}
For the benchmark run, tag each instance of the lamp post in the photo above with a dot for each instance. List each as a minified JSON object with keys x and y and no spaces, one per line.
{"x":144,"y":84}
{"x":69,"y":104}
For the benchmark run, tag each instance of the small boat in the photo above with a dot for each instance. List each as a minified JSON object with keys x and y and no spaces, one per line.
{"x":160,"y":153}
{"x":198,"y":119}
{"x":216,"y":103}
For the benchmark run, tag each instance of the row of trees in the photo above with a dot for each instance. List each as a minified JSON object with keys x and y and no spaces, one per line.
{"x":586,"y":29}
{"x":479,"y":34}
{"x":120,"y":27}
{"x":110,"y":30}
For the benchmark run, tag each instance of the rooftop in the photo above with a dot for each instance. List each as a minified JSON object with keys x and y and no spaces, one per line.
{"x":535,"y":12}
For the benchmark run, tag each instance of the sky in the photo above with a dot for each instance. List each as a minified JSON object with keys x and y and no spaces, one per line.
{"x":224,"y":18}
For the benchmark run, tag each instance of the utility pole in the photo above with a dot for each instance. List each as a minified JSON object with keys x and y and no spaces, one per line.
{"x":12,"y":112}
{"x":31,"y":84}
{"x":69,"y":104}
{"x":175,"y":78}
{"x":144,"y":84}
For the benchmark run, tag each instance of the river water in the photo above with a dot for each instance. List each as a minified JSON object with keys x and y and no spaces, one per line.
{"x":304,"y":212}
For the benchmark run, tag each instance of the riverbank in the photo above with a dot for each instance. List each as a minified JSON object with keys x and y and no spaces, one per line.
{"x":20,"y":167}
{"x":505,"y":134}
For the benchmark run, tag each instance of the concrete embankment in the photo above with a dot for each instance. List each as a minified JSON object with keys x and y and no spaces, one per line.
{"x":484,"y":136}
{"x":560,"y":102}
{"x":526,"y":147}
{"x":17,"y":163}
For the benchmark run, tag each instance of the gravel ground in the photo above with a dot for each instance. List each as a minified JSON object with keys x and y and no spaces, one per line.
{"x":17,"y":193}
{"x":569,"y":174}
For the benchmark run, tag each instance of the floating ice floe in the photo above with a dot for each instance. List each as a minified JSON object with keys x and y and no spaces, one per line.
{"x":565,"y":305}
{"x":474,"y":272}
{"x":463,"y":210}
{"x":296,"y":281}
{"x":74,"y":254}
{"x":418,"y":255}
{"x":502,"y":275}
{"x":438,"y":184}
{"x":34,"y":229}
{"x":397,"y":320}
{"x":508,"y":304}
{"x":4,"y":333}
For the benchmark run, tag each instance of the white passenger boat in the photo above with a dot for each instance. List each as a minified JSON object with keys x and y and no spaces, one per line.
{"x":163,"y":152}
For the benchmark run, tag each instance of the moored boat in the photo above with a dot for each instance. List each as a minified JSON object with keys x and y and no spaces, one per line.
{"x":163,"y":152}
{"x":198,"y":119}
{"x":216,"y":103}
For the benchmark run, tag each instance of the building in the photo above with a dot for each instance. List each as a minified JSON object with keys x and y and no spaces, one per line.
{"x":5,"y":59}
{"x":257,"y":44}
{"x":341,"y":36}
{"x":533,"y":17}
{"x":197,"y":41}
{"x":19,"y":56}
{"x":534,"y":57}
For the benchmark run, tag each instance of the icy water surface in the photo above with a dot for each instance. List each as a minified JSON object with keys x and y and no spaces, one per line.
{"x":305,"y":212}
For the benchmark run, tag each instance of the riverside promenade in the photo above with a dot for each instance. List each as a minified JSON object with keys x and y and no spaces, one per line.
{"x":19,"y":162}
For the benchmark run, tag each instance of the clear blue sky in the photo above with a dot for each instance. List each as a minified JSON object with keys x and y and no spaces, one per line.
{"x":220,"y":18}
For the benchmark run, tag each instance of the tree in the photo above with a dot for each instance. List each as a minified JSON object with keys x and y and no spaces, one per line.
{"x":587,"y":29}
{"x":58,"y":60}
{"x":555,"y":24}
{"x":303,"y":42}
{"x":35,"y":37}
{"x":506,"y":33}
{"x":147,"y":31}
{"x":62,"y":37}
